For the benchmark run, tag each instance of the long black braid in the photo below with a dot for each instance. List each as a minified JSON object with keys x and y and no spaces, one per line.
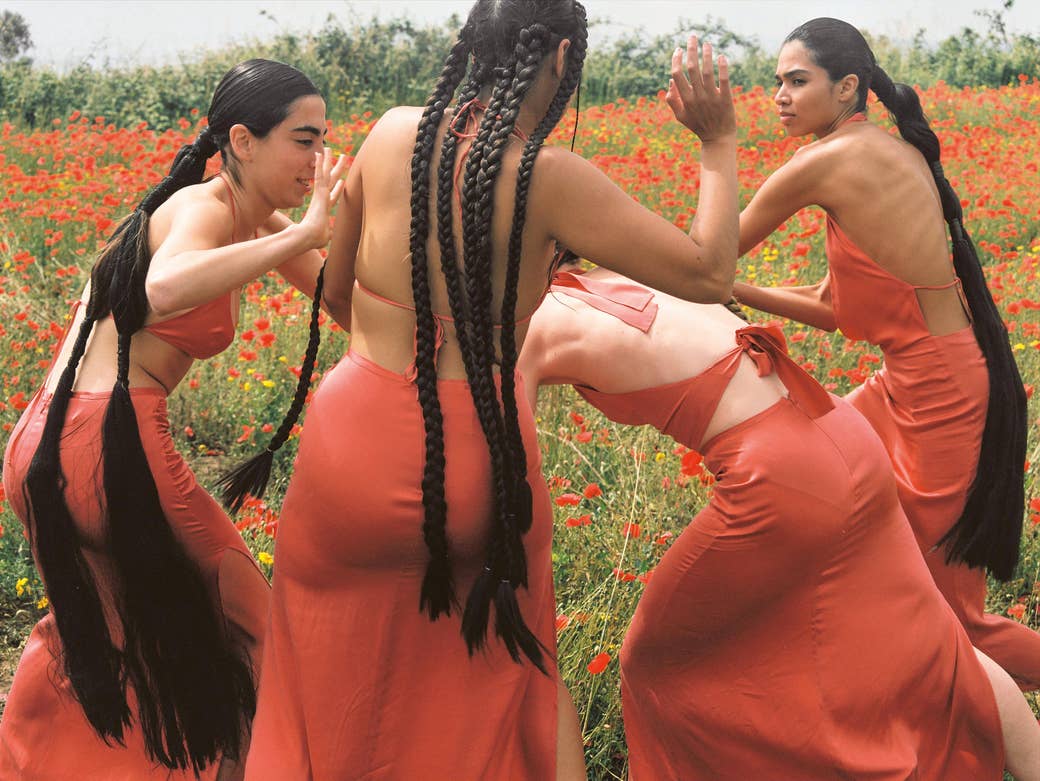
{"x":437,"y":595}
{"x":192,"y":682}
{"x":510,"y":40}
{"x":988,"y":532}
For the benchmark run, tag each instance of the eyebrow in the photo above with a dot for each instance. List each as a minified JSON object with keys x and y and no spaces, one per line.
{"x":795,"y":72}
{"x":310,"y":129}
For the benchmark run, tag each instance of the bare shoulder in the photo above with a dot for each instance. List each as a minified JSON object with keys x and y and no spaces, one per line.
{"x":195,"y":209}
{"x":397,"y":125}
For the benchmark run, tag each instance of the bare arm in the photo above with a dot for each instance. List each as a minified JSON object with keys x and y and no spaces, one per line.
{"x":346,"y":236}
{"x":191,"y":267}
{"x":302,"y":271}
{"x":809,"y":304}
{"x":792,"y":187}
{"x":593,"y":217}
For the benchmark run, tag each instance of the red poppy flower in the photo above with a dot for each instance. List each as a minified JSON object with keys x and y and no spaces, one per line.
{"x":599,"y":663}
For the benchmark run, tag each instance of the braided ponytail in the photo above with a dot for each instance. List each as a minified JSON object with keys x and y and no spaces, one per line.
{"x":510,"y":42}
{"x":989,"y":530}
{"x":437,"y":594}
{"x":250,"y":478}
{"x":193,"y":686}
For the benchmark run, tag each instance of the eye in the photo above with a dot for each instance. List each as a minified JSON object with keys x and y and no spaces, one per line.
{"x":305,"y":142}
{"x":797,"y":81}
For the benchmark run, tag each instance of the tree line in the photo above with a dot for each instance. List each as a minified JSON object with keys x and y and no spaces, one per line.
{"x":371,"y":64}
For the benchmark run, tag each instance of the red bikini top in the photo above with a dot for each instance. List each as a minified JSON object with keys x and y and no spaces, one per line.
{"x":683,"y":409}
{"x":201,"y":332}
{"x":206,"y":330}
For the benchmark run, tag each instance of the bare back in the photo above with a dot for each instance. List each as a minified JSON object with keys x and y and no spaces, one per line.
{"x":385,"y":333}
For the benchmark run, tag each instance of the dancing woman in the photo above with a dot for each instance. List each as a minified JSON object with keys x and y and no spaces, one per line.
{"x":792,"y":629}
{"x":145,"y":667}
{"x":948,"y":403}
{"x":417,"y":510}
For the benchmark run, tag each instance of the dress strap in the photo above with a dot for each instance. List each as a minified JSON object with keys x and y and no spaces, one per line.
{"x":629,"y":302}
{"x":766,"y":346}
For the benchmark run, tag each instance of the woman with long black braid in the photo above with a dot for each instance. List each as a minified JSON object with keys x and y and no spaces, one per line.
{"x":417,"y":511}
{"x":949,"y":403}
{"x":146,"y":666}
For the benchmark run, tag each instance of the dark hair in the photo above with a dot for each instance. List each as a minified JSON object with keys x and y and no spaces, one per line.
{"x":501,"y":46}
{"x":988,"y":532}
{"x":194,"y":687}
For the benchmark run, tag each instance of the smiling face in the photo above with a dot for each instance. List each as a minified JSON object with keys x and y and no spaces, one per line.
{"x":280,"y":166}
{"x":809,"y":102}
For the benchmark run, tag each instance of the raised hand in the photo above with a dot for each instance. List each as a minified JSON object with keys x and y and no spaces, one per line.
{"x":328,"y":183}
{"x":693,"y":96}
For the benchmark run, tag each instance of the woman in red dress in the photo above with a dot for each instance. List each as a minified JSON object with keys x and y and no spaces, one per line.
{"x":948,"y":403}
{"x":792,"y":630}
{"x":145,"y":667}
{"x":417,"y":512}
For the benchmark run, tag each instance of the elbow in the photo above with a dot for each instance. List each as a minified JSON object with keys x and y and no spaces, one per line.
{"x":162,"y":295}
{"x":715,"y":286}
{"x":339,"y":308}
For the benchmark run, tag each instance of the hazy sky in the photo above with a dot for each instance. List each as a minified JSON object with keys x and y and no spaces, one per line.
{"x":70,"y":31}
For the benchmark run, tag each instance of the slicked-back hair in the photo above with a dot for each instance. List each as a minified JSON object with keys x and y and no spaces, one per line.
{"x":988,"y":532}
{"x":193,"y":684}
{"x":501,"y":47}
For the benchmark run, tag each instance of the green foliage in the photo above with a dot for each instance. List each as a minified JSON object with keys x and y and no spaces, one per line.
{"x":369,"y":65}
{"x":15,"y":39}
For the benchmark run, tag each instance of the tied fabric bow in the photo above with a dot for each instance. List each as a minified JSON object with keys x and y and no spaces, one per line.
{"x":767,"y":347}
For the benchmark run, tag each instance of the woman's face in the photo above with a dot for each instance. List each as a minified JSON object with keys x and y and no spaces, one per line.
{"x":282,"y":166}
{"x":805,"y":95}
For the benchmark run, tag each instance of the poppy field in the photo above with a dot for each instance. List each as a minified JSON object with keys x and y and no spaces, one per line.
{"x":621,"y":495}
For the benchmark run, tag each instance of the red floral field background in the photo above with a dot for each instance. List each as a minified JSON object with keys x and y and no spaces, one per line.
{"x":622,"y":495}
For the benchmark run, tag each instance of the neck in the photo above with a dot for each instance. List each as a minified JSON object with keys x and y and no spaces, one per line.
{"x":249,"y":212}
{"x":839,"y":120}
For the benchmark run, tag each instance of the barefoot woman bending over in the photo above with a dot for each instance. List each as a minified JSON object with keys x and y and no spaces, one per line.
{"x":792,"y":631}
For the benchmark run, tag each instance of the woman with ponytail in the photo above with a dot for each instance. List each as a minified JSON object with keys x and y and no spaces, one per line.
{"x":744,"y":642}
{"x":146,"y":666}
{"x":412,"y":623}
{"x":949,"y":403}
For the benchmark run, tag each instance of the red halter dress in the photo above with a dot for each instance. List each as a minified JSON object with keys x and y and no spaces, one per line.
{"x":792,"y":630}
{"x":356,"y":682}
{"x":928,"y":405}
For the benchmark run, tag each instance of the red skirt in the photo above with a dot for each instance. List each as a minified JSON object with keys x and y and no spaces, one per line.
{"x":356,"y":682}
{"x":793,"y":631}
{"x":44,"y":735}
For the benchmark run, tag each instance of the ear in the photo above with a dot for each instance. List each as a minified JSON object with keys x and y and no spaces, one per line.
{"x":560,"y":58}
{"x":847,"y":88}
{"x":241,"y":141}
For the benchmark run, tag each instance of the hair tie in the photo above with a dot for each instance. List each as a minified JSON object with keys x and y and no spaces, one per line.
{"x":205,"y":144}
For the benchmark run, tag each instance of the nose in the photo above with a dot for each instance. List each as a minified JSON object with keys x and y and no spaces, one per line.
{"x":780,"y":97}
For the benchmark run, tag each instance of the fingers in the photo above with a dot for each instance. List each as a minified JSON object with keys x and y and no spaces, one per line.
{"x":679,"y":81}
{"x":337,"y":189}
{"x":708,"y":68}
{"x":339,"y":168}
{"x":724,"y":79}
{"x":695,"y":79}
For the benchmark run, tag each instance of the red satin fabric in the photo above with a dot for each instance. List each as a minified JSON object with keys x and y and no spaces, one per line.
{"x":928,"y":405}
{"x":44,"y":735}
{"x":792,"y":631}
{"x":202,"y":332}
{"x":356,"y":682}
